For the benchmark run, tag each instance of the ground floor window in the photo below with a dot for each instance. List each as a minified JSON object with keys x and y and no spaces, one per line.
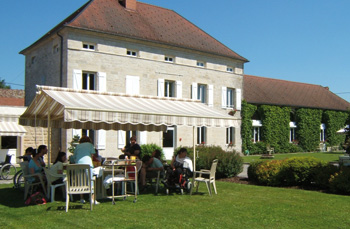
{"x":89,"y":133}
{"x":230,"y":136}
{"x":323,"y":133}
{"x":292,"y":137}
{"x":8,"y":142}
{"x":201,"y":135}
{"x":256,"y":134}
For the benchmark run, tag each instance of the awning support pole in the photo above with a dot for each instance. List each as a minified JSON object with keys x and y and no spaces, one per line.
{"x":48,"y":139}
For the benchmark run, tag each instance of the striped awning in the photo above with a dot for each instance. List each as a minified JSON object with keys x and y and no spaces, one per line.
{"x":11,"y":129}
{"x":85,"y":109}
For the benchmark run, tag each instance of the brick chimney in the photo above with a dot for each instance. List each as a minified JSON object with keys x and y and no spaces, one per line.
{"x":128,"y":4}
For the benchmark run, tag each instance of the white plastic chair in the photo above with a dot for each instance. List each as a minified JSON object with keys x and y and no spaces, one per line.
{"x":78,"y":182}
{"x":31,"y":180}
{"x":208,"y":181}
{"x":51,"y":177}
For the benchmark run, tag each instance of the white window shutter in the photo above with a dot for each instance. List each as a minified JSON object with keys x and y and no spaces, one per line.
{"x":102,"y":81}
{"x":128,"y":85}
{"x":238,"y":99}
{"x":143,"y":137}
{"x":136,"y":85}
{"x":194,"y":91}
{"x":101,"y":139}
{"x":179,"y":89}
{"x":224,"y":97}
{"x":210,"y":95}
{"x":121,"y":139}
{"x":160,"y":87}
{"x":77,"y":79}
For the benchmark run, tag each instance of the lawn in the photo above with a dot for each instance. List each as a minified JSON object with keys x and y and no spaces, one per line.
{"x":326,"y":156}
{"x":236,"y":206}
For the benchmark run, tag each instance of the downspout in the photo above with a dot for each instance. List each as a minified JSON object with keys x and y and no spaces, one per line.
{"x":61,"y":83}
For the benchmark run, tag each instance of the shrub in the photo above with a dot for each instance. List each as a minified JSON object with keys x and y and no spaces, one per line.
{"x":258,"y":148}
{"x":321,"y":175}
{"x":265,"y":172}
{"x":147,"y":149}
{"x":297,"y":170}
{"x":340,"y":182}
{"x":229,"y":163}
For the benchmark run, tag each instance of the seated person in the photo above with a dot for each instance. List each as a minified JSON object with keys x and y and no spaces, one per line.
{"x":179,"y":164}
{"x":156,"y":153}
{"x":57,"y":167}
{"x":96,"y":159}
{"x":150,"y":168}
{"x":35,"y":166}
{"x":28,"y":154}
{"x":131,"y":149}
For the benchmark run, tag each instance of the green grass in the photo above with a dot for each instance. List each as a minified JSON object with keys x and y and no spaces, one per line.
{"x":236,"y":206}
{"x":326,"y":156}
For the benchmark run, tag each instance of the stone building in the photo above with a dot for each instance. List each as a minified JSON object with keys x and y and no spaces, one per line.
{"x":130,"y":47}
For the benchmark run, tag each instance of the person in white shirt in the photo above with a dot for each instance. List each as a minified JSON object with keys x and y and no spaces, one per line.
{"x":57,"y":167}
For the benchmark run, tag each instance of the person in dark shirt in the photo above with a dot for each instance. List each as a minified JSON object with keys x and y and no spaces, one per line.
{"x":132,"y":149}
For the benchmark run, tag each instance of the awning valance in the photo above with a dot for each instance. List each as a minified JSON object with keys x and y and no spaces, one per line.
{"x":84,"y":109}
{"x":11,"y":129}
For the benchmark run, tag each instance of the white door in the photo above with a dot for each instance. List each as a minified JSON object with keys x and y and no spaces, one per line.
{"x":169,"y":143}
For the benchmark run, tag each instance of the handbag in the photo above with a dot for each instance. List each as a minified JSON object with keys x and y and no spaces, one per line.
{"x":36,"y":199}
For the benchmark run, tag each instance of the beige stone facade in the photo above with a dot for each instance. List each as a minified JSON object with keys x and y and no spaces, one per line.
{"x":106,"y":57}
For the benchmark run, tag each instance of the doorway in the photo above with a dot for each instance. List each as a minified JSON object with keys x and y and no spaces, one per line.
{"x":169,"y":142}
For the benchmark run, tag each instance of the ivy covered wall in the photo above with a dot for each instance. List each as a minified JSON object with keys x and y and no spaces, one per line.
{"x":275,"y":128}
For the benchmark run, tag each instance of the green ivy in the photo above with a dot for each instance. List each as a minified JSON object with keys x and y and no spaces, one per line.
{"x":308,"y":130}
{"x":247,"y":113}
{"x":334,"y":120}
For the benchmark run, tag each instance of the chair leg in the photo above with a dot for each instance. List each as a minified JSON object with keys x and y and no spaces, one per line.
{"x":67,"y":201}
{"x":52,"y":194}
{"x":197,"y":184}
{"x":91,"y":200}
{"x":214,"y":185}
{"x":208,"y":187}
{"x":26,"y":188}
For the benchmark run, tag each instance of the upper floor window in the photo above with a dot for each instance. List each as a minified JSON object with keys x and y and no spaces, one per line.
{"x":292,"y":136}
{"x":229,"y":98}
{"x":169,"y":89}
{"x":89,"y":81}
{"x":201,"y":93}
{"x":131,"y":53}
{"x":229,"y":69}
{"x":89,"y":46}
{"x":169,"y":59}
{"x":200,"y":64}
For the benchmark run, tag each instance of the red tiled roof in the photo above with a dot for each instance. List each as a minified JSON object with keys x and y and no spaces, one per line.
{"x":10,"y":97}
{"x":148,"y":22}
{"x":261,"y":90}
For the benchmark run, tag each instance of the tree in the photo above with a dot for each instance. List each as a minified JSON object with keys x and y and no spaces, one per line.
{"x":3,"y":85}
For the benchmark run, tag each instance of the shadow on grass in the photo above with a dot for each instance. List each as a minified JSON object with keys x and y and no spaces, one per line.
{"x":12,"y":197}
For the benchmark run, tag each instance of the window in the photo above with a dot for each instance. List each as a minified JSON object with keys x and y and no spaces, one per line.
{"x":89,"y":81}
{"x":293,"y":126}
{"x":88,"y":46}
{"x":323,"y":133}
{"x":169,"y":89}
{"x":89,"y":133}
{"x":201,"y":93}
{"x":55,"y":49}
{"x":257,"y":124}
{"x":8,"y":142}
{"x":229,"y":97}
{"x":169,"y":59}
{"x":229,"y":69}
{"x":131,"y":53}
{"x":201,"y":135}
{"x":200,"y":64}
{"x":128,"y":135}
{"x":230,"y":136}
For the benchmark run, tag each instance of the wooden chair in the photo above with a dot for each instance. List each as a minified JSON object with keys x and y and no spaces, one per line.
{"x":78,"y":182}
{"x":51,"y":177}
{"x":208,"y":181}
{"x":31,"y":180}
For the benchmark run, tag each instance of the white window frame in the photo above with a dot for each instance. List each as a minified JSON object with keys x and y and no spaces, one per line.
{"x":323,"y":132}
{"x":201,"y":135}
{"x":257,"y":124}
{"x":202,"y":93}
{"x":169,"y":59}
{"x":130,"y":52}
{"x":169,"y":89}
{"x":89,"y":46}
{"x":292,"y":126}
{"x":88,"y":85}
{"x":230,"y":136}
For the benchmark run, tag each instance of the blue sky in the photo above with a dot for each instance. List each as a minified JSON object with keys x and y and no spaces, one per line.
{"x":296,"y":40}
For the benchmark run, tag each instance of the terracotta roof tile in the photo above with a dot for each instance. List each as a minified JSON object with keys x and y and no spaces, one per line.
{"x":11,"y":97}
{"x":148,"y":22}
{"x":261,"y":90}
